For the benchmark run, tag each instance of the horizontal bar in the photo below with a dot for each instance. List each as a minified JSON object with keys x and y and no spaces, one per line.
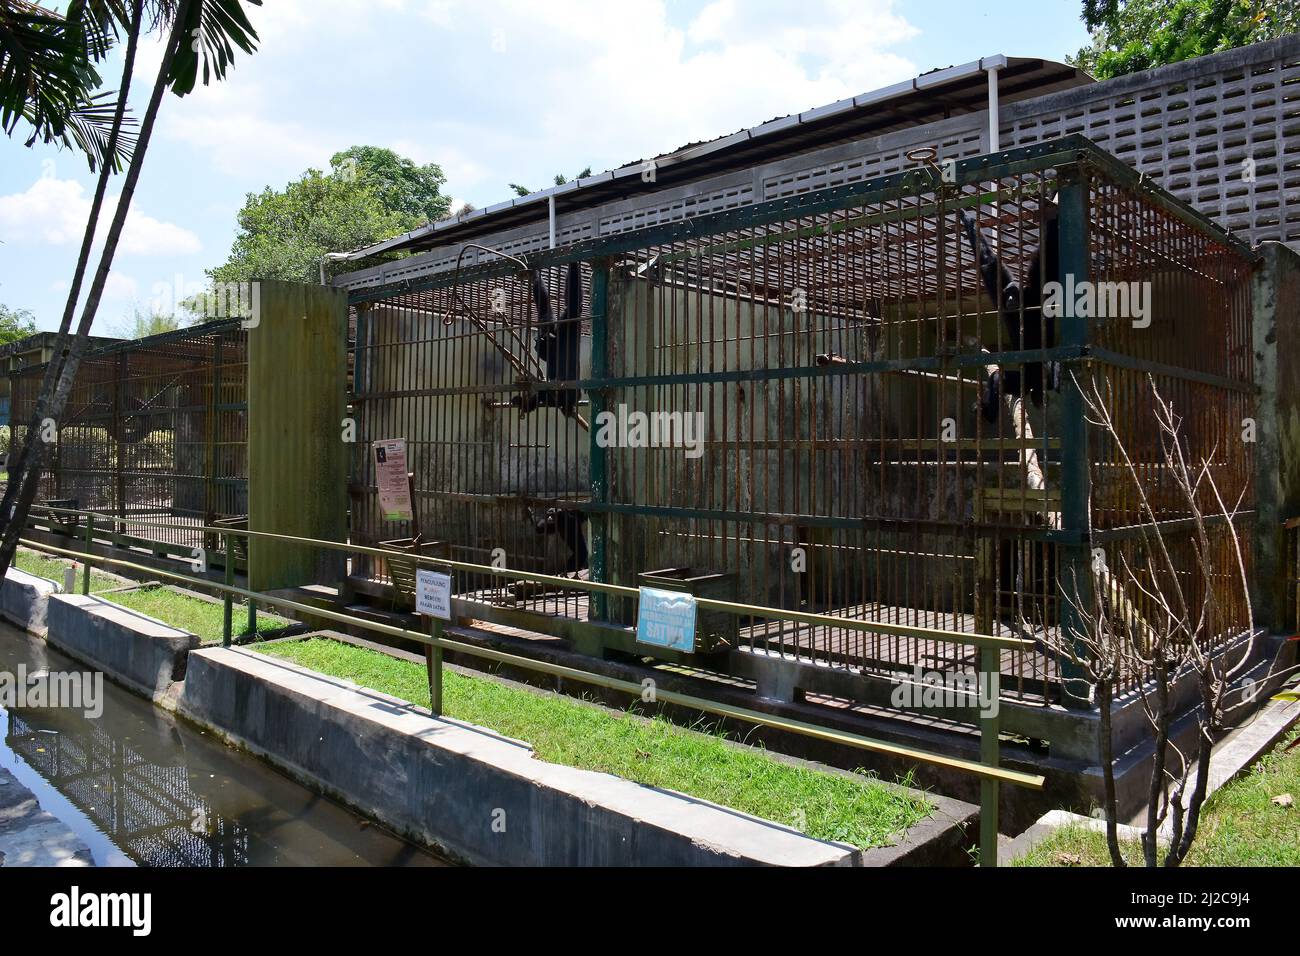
{"x":577,"y":584}
{"x":1120,"y":360}
{"x":1029,"y":780}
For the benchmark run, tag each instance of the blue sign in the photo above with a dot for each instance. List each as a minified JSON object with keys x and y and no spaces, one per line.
{"x":666,"y":619}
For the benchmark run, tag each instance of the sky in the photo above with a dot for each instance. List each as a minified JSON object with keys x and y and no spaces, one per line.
{"x":495,"y":91}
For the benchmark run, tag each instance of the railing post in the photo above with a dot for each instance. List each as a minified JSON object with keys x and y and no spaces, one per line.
{"x":90,"y":537}
{"x":989,"y":696}
{"x":228,"y":609}
{"x":433,"y":664}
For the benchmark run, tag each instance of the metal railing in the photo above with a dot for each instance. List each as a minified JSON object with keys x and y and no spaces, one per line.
{"x":987,"y":769}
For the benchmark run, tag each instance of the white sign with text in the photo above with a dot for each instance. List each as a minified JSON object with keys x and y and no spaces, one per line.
{"x":433,"y":594}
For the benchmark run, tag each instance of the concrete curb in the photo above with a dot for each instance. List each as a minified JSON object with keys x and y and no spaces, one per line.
{"x":942,"y":839}
{"x":24,"y":599}
{"x":138,"y":652}
{"x":466,"y":790}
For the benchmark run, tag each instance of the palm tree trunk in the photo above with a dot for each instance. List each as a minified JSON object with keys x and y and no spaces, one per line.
{"x":18,"y":465}
{"x":29,"y":480}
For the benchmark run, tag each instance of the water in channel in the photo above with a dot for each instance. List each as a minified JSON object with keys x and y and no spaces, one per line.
{"x":142,"y":787}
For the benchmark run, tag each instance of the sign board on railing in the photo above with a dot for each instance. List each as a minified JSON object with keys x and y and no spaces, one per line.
{"x":391,"y":476}
{"x":666,"y":619}
{"x":433,"y":594}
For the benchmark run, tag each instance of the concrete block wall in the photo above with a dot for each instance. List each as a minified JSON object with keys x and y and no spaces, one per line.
{"x":477,"y":795}
{"x":24,"y":599}
{"x":137,"y":651}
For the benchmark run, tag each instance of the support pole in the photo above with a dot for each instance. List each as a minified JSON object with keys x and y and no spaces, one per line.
{"x":990,"y":690}
{"x":597,"y":455}
{"x":995,"y":135}
{"x":433,"y":665}
{"x":1074,"y":572}
{"x":227,"y":609}
{"x":90,"y":537}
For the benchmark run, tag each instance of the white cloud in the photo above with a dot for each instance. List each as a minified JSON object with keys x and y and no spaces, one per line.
{"x":516,"y":90}
{"x":54,"y":211}
{"x":121,"y":286}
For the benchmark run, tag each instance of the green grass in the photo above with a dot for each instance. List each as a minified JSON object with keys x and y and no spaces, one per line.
{"x":51,"y":568}
{"x":192,"y":614}
{"x":204,"y":618}
{"x":857,"y":810}
{"x":1240,"y":825}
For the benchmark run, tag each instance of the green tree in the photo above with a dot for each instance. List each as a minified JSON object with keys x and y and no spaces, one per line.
{"x":283,"y":234}
{"x":15,"y":324}
{"x":1133,"y":35}
{"x":201,"y":35}
{"x":141,"y":323}
{"x":560,"y":180}
{"x":401,"y":185}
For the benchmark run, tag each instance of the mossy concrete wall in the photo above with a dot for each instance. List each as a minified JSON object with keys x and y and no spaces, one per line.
{"x":1277,"y":451}
{"x":464,"y":445}
{"x":815,"y":444}
{"x":297,"y":456}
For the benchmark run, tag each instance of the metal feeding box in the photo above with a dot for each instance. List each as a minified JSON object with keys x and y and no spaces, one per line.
{"x":402,"y":564}
{"x":67,"y":524}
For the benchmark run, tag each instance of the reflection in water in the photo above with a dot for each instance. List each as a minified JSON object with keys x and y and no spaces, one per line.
{"x":166,"y":794}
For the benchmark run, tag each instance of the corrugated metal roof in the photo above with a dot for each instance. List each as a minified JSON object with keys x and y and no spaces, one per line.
{"x":935,"y":95}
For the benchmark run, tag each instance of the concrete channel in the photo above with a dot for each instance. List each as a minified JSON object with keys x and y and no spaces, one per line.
{"x":136,"y":786}
{"x":473,"y":795}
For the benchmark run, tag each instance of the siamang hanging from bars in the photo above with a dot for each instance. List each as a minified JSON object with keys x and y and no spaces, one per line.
{"x":1027,"y":328}
{"x":558,"y":344}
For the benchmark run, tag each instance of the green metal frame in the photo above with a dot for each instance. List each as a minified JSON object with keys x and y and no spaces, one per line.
{"x":1073,"y":570}
{"x":1073,"y":162}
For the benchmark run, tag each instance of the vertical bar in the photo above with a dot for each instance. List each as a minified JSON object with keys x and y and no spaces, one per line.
{"x":598,"y":475}
{"x":85,"y":571}
{"x":227,"y":607}
{"x":433,"y":664}
{"x":211,"y":424}
{"x":990,"y":689}
{"x":1074,"y":573}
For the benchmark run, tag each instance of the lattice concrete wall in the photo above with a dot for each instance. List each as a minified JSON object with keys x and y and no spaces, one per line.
{"x":1191,"y":127}
{"x":1188,"y":126}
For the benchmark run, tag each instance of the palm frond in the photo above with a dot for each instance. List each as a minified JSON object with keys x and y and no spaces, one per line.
{"x":215,"y":28}
{"x":48,"y":77}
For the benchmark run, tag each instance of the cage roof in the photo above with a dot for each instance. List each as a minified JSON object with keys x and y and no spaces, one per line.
{"x":932,"y":96}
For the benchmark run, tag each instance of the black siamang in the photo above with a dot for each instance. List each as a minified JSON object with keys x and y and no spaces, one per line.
{"x":558,"y":342}
{"x":569,"y":525}
{"x":1027,"y":328}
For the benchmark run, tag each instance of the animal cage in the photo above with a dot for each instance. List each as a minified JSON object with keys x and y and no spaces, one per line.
{"x":154,"y":429}
{"x":850,"y":401}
